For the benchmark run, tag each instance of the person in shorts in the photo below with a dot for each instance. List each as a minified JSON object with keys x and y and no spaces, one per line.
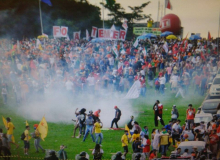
{"x":26,"y":140}
{"x":124,"y":140}
{"x":10,"y":130}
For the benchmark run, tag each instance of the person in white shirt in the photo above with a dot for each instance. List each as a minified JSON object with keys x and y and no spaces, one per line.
{"x":175,"y":131}
{"x":162,"y":81}
{"x":4,"y":94}
{"x":91,"y":83}
{"x":69,"y":86}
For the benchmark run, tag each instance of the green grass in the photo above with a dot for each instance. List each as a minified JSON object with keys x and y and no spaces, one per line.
{"x":60,"y":133}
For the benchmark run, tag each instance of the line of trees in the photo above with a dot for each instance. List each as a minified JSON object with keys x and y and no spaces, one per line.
{"x":20,"y":18}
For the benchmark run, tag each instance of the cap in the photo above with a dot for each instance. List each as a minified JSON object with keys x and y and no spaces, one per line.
{"x":115,"y":107}
{"x":83,"y":153}
{"x":35,"y":125}
{"x":174,"y":105}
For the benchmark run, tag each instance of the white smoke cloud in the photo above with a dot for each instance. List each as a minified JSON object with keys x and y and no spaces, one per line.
{"x":59,"y":107}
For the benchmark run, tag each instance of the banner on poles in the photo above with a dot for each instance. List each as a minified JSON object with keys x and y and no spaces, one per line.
{"x":60,"y":31}
{"x":76,"y":35}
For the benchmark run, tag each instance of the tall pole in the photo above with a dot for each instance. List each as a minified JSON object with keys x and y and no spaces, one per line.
{"x":165,"y":6}
{"x":218,"y":35}
{"x":158,"y":10}
{"x":161,"y":12}
{"x":41,"y":23}
{"x":103,"y":23}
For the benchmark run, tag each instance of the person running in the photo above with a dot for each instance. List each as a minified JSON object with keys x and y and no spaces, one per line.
{"x":158,"y":111}
{"x":10,"y":130}
{"x":117,"y":117}
{"x":89,"y":127}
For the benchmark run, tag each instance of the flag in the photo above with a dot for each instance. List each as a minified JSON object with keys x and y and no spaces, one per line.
{"x":26,"y":123}
{"x":168,"y":5}
{"x":43,"y":128}
{"x":6,"y":126}
{"x":4,"y":121}
{"x":185,"y":38}
{"x":165,"y":47}
{"x":126,"y":128}
{"x":202,"y":56}
{"x":209,"y":36}
{"x":135,"y":44}
{"x":125,"y":24}
{"x":38,"y":45}
{"x":120,"y":70}
{"x":47,"y":2}
{"x":134,"y":91}
{"x":87,"y":35}
{"x":112,"y":29}
{"x":114,"y":49}
{"x":144,"y":51}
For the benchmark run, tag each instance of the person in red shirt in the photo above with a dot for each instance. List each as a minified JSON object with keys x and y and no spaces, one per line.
{"x":147,"y":143}
{"x":143,"y":86}
{"x":213,"y":138}
{"x":190,"y":114}
{"x":153,"y":154}
{"x":198,"y":79}
{"x":96,"y":114}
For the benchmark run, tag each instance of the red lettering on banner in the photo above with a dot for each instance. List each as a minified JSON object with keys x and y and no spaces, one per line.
{"x":76,"y":35}
{"x":100,"y":33}
{"x":56,"y":31}
{"x":94,"y":31}
{"x":63,"y":31}
{"x":107,"y":33}
{"x":122,"y":34}
{"x":115,"y":34}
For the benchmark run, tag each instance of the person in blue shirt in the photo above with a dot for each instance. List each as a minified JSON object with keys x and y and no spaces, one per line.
{"x":168,"y":127}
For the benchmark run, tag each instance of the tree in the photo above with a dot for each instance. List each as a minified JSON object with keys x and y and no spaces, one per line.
{"x":20,"y":18}
{"x":118,"y":14}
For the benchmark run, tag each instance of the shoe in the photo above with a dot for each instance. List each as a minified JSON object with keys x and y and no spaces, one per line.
{"x":100,"y":145}
{"x":73,"y":136}
{"x":26,"y":154}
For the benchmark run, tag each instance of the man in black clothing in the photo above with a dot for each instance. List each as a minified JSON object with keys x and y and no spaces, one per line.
{"x":117,"y":117}
{"x":158,"y":111}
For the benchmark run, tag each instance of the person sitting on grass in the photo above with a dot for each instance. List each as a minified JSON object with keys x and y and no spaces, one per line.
{"x":97,"y":152}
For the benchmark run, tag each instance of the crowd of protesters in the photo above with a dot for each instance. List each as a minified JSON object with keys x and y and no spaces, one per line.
{"x":84,"y":67}
{"x":81,"y":67}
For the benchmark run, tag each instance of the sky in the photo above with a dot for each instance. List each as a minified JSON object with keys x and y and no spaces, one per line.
{"x":197,"y":16}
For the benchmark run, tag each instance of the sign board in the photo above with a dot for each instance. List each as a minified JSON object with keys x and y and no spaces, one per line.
{"x":142,"y":30}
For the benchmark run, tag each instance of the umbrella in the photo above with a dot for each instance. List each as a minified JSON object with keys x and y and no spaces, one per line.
{"x":42,"y":36}
{"x":149,"y":35}
{"x":194,"y":37}
{"x":141,"y":37}
{"x":97,"y":40}
{"x":171,"y":37}
{"x":167,"y":33}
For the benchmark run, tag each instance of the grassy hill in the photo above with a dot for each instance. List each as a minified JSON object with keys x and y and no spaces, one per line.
{"x":60,"y":133}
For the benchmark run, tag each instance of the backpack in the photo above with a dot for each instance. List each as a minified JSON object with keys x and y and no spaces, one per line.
{"x":157,"y":82}
{"x":22,"y":136}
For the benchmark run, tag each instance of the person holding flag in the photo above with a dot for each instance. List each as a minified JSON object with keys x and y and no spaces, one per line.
{"x":36,"y":136}
{"x":10,"y":130}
